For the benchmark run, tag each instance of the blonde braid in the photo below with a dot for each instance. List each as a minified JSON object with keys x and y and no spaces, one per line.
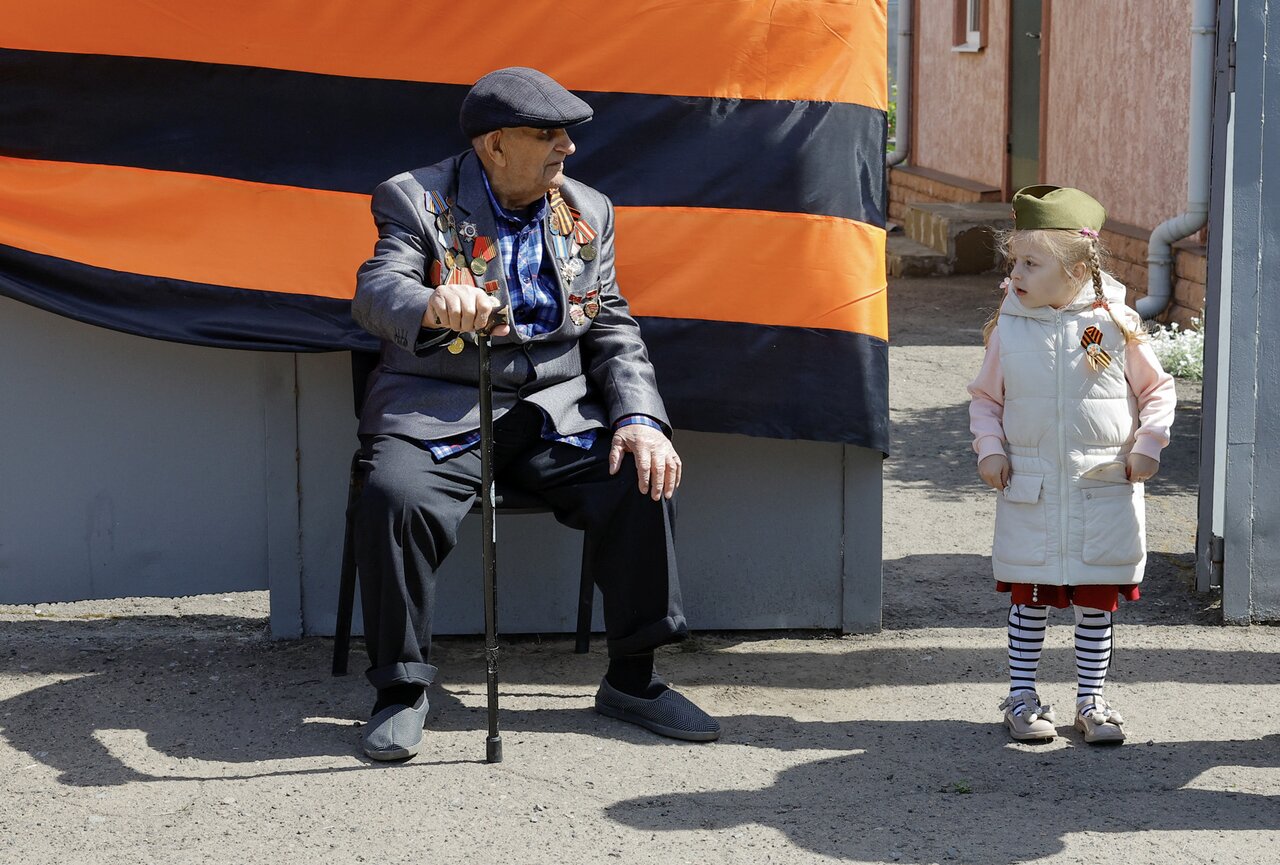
{"x":1100,"y":298}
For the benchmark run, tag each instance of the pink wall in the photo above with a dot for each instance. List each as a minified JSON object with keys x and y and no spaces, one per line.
{"x":959,"y":96}
{"x":1118,"y":105}
{"x":1116,"y":119}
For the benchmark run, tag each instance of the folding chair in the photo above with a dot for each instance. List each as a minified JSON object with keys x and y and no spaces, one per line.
{"x":507,"y":501}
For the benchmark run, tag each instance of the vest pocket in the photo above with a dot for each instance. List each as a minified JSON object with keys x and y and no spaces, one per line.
{"x":1113,"y":530}
{"x":1020,"y":521}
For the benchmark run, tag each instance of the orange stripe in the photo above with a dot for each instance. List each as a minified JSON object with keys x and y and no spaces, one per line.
{"x":824,"y":50}
{"x":678,"y":262}
{"x":793,"y":270}
{"x":187,"y":226}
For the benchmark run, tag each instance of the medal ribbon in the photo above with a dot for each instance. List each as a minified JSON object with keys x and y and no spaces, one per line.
{"x":561,"y":215}
{"x":582,"y":231}
{"x":482,"y":247}
{"x":1094,"y":353}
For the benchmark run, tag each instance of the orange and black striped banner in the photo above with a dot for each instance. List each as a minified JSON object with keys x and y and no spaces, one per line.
{"x":205,"y":177}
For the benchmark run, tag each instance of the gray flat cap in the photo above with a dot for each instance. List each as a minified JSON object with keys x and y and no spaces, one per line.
{"x":519,"y":96}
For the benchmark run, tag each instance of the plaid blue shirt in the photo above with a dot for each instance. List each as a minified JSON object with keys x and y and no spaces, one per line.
{"x":531,"y":279}
{"x":535,"y":309}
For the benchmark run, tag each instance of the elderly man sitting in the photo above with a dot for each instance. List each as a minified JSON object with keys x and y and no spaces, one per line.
{"x":578,"y":418}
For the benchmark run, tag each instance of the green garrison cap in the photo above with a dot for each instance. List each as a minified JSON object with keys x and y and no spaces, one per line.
{"x":1056,"y":207}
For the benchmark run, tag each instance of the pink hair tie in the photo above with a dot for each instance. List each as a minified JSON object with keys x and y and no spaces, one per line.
{"x":1089,"y":232}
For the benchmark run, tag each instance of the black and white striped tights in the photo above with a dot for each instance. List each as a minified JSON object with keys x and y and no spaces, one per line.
{"x":1092,"y":645}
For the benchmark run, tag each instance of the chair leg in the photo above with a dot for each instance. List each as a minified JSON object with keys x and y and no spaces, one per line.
{"x":586,"y":599}
{"x":347,"y":583}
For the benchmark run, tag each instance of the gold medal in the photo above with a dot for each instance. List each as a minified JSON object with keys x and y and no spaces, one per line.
{"x":456,"y":346}
{"x":479,"y":266}
{"x":587,"y":252}
{"x":592,"y":307}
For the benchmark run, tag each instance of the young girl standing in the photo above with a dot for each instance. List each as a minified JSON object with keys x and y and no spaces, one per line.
{"x":1069,"y":414}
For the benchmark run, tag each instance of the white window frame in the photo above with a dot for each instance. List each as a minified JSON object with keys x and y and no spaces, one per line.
{"x":973,"y":27}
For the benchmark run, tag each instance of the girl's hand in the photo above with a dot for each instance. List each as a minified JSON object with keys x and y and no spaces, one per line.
{"x":1139,"y":468}
{"x":994,"y":471}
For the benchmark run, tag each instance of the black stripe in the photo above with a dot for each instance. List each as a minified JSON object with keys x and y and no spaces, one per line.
{"x":774,"y":382}
{"x":782,"y":383}
{"x":349,"y":134}
{"x":179,"y":311}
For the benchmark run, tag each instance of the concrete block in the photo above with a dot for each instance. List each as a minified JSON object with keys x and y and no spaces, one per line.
{"x":906,"y":257}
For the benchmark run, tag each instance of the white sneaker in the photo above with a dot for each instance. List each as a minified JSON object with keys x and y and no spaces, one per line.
{"x":1026,"y":718}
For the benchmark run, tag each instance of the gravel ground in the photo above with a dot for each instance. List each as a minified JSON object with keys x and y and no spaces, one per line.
{"x":176,"y":731}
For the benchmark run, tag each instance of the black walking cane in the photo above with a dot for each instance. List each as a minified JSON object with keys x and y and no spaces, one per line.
{"x":488,"y":543}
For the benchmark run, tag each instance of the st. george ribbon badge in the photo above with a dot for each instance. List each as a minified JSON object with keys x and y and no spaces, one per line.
{"x":1094,"y":353}
{"x":561,"y":214}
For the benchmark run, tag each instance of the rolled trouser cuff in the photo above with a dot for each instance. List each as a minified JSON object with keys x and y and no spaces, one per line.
{"x":672,"y":629}
{"x":405,"y":673}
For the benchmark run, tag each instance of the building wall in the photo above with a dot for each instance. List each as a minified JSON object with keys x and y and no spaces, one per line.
{"x":959,"y":97}
{"x":136,"y":467}
{"x":131,"y":466}
{"x":1115,"y":122}
{"x":1116,"y":119}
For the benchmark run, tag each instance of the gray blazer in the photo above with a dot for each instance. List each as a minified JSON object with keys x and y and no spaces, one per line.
{"x":583,"y":376}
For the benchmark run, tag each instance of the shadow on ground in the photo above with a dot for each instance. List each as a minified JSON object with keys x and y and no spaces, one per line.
{"x":891,"y":793}
{"x":252,"y":702}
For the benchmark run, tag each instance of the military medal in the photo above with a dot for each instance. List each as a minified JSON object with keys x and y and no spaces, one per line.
{"x":438,"y":206}
{"x":459,"y":276}
{"x":493,"y":286}
{"x":588,"y":252}
{"x":577,"y":315}
{"x":467,"y":230}
{"x":591,"y":306}
{"x":582,"y":232}
{"x":574,"y":267}
{"x":482,"y":251}
{"x":1094,"y":353}
{"x":456,"y":346}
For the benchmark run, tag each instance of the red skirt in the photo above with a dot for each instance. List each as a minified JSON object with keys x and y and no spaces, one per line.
{"x":1095,"y":597}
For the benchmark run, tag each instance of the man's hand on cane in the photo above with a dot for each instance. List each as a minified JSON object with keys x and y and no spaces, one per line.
{"x":658,"y":466}
{"x":463,"y":308}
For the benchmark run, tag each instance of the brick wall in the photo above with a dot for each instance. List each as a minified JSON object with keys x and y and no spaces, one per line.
{"x":911,"y":184}
{"x":1127,"y":262}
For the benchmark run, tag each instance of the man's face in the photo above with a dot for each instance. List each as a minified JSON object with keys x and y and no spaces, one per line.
{"x":532,"y":161}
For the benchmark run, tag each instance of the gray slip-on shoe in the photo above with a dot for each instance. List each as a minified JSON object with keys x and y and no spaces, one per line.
{"x":669,"y":714}
{"x":395,"y":733}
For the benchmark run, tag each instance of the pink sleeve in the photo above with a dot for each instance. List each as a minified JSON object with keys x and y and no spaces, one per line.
{"x":1156,"y":399}
{"x":986,"y":403}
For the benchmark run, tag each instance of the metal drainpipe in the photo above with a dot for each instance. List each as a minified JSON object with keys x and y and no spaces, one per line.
{"x":1160,"y":247}
{"x":902,"y":135}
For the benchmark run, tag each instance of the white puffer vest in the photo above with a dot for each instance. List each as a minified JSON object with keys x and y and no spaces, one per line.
{"x":1061,"y":419}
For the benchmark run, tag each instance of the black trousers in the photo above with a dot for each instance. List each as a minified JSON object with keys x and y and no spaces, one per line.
{"x":407,"y":522}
